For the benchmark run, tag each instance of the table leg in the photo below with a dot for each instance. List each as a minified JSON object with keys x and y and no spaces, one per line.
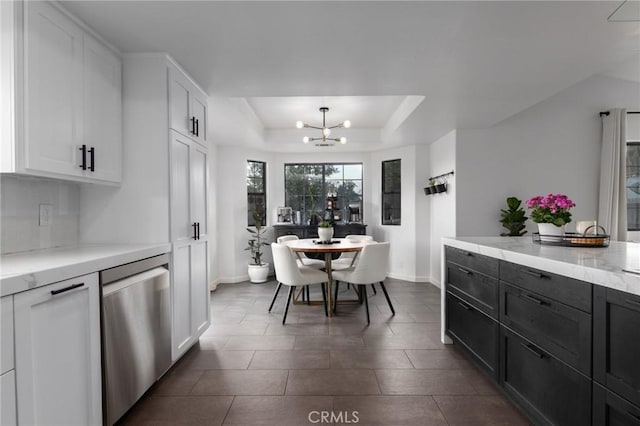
{"x":327,"y":263}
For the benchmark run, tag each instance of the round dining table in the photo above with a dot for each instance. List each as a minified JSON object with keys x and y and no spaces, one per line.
{"x":337,"y":245}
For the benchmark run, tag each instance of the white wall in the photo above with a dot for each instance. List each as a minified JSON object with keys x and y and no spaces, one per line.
{"x":20,"y":198}
{"x":442,"y":159}
{"x":553,"y":146}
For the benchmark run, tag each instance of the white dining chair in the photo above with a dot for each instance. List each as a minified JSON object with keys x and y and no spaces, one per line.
{"x":370,"y":268}
{"x":346,"y":260}
{"x":289,"y":273}
{"x":303,"y":260}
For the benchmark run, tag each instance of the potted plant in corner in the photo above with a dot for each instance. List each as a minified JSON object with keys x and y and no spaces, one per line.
{"x":551,"y":213}
{"x":513,"y":219}
{"x":325,"y":231}
{"x":258,"y":270}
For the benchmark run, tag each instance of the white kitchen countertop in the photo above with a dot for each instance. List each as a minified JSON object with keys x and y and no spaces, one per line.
{"x":604,"y":266}
{"x":27,"y":270}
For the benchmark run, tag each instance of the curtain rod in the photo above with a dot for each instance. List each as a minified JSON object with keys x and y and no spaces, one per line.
{"x":628,"y":112}
{"x":442,"y":175}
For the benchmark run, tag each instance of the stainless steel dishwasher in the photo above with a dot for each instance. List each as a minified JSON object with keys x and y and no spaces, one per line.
{"x":136,"y":331}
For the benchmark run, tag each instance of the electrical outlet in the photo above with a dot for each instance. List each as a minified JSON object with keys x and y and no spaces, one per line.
{"x":46,"y":214}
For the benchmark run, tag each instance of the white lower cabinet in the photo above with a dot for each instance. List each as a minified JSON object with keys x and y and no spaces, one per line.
{"x":8,"y":406}
{"x":57,"y":348}
{"x":190,"y":294}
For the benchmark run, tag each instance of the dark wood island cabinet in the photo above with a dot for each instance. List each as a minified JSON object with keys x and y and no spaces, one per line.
{"x":566,"y":351}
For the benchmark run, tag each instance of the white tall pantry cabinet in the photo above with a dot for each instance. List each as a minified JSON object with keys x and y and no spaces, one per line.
{"x":164,"y":192}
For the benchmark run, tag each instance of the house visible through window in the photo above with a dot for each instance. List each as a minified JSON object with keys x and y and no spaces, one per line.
{"x":391,"y":212}
{"x":308,"y":188}
{"x":256,"y":191}
{"x":633,"y":186}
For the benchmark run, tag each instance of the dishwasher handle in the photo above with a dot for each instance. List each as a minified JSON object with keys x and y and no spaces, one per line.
{"x":132,"y":280}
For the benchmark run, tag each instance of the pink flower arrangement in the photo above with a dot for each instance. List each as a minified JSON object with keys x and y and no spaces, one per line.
{"x":552,"y":208}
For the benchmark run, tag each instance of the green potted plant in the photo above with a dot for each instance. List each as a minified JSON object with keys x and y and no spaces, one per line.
{"x":325,"y":231}
{"x":258,"y":270}
{"x":513,"y":218}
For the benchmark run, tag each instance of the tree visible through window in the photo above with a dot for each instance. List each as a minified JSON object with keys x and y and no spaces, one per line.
{"x":256,"y":191}
{"x":633,"y":186}
{"x":307,"y":187}
{"x":391,"y":177}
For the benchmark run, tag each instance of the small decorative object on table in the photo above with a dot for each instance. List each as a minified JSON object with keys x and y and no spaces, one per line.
{"x":325,"y":231}
{"x":551,"y":213}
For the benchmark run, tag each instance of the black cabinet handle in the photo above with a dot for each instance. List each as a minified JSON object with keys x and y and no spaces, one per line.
{"x":92,"y":157}
{"x":532,"y":349}
{"x":198,"y":230}
{"x":633,"y":302}
{"x":197,"y":127}
{"x":533,"y":299}
{"x":464,"y":305}
{"x":62,"y":290}
{"x":464,"y":271}
{"x":83,"y":148}
{"x":534,"y":274}
{"x":193,"y":125}
{"x":634,"y":416}
{"x":195,"y":230}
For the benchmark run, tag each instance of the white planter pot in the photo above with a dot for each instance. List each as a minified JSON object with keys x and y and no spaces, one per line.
{"x":258,"y":273}
{"x":550,"y":232}
{"x":325,"y":234}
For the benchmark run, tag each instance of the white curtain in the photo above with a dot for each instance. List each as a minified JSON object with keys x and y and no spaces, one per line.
{"x":612,"y":206}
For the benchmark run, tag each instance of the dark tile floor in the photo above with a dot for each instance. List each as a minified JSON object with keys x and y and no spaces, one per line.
{"x":249,"y":369}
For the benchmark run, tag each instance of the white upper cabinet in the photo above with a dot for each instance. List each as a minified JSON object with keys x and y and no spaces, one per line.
{"x":66,"y":107}
{"x":103,"y":110}
{"x":188,"y":107}
{"x":53,"y":90}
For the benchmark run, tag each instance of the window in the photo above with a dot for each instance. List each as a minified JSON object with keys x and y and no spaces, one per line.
{"x":391,"y":212}
{"x":633,"y":186}
{"x":256,"y":191}
{"x":307,"y":187}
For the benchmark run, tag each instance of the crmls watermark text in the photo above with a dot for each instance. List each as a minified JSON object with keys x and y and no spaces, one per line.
{"x":333,"y":417}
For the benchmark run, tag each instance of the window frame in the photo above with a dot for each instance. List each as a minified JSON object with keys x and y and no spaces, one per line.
{"x":393,"y":194}
{"x":324,"y":179}
{"x":263,"y":194}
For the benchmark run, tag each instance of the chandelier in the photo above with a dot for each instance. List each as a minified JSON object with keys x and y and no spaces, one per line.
{"x":326,"y":131}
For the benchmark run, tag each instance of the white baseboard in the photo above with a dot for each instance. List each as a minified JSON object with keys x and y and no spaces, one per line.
{"x":411,"y":278}
{"x":233,"y":280}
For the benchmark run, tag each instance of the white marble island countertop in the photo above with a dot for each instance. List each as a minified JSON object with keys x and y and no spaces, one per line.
{"x":616,"y":266}
{"x":27,"y":270}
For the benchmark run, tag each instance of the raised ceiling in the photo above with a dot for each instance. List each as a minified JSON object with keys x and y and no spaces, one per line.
{"x":472,"y":64}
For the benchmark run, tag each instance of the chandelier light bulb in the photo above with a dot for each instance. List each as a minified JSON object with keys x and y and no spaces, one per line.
{"x":299,"y":124}
{"x":326,"y":132}
{"x":346,"y":124}
{"x":343,"y":140}
{"x":305,"y":139}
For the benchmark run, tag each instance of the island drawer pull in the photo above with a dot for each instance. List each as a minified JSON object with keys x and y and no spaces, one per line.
{"x":534,"y":273}
{"x":62,"y":290}
{"x":534,"y":299}
{"x":532,"y":349}
{"x":464,"y":271}
{"x":464,"y":305}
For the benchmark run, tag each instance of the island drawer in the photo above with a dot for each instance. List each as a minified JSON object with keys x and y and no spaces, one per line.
{"x":474,"y":331}
{"x":478,"y":262}
{"x":480,"y":290}
{"x":611,"y":410}
{"x":616,"y":344}
{"x":569,"y":291}
{"x":561,"y":330}
{"x":549,"y":390}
